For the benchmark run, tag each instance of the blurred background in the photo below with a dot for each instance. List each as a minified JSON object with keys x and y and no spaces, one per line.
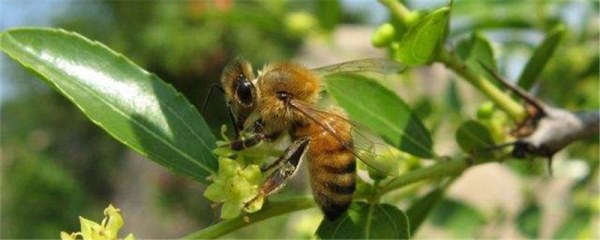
{"x":57,"y":165}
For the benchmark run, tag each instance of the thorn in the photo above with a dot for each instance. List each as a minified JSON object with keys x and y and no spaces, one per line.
{"x":515,"y":89}
{"x":550,"y":166}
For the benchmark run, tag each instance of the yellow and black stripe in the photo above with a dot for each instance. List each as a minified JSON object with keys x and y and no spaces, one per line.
{"x":333,"y":180}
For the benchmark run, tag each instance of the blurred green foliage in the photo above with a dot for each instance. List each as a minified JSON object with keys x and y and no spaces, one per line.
{"x":56,"y":163}
{"x":570,"y":80}
{"x":53,"y":163}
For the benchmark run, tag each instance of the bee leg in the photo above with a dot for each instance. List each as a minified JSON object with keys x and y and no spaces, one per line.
{"x":287,"y":166}
{"x":295,"y":147}
{"x":258,"y":136}
{"x":241,"y":144}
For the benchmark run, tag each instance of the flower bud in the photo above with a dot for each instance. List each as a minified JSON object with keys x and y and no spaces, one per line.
{"x":383,"y":35}
{"x":485,"y":110}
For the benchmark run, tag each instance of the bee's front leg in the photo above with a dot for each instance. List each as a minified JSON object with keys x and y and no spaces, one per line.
{"x":241,"y":144}
{"x":258,"y":135}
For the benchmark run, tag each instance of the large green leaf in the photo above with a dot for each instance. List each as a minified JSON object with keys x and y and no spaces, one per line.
{"x":132,"y":105}
{"x":366,"y":221}
{"x":424,"y":38}
{"x":473,"y":137}
{"x":540,"y":57}
{"x":422,"y":207}
{"x":380,"y":109}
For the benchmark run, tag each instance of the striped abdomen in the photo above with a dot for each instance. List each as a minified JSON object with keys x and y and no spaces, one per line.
{"x":332,"y":166}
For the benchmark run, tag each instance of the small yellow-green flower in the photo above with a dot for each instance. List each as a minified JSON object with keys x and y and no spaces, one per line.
{"x":107,"y":230}
{"x":233,"y":186}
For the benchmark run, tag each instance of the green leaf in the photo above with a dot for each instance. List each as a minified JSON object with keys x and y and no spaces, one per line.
{"x":132,"y":105}
{"x":366,"y":221}
{"x":329,"y":13}
{"x":422,"y":207}
{"x":382,"y":111}
{"x":478,"y":50}
{"x":424,"y":38}
{"x":529,"y":220}
{"x":459,"y":218}
{"x":540,"y":57}
{"x":473,"y":137}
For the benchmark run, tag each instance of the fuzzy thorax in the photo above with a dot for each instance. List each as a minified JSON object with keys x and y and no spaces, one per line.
{"x":298,"y":82}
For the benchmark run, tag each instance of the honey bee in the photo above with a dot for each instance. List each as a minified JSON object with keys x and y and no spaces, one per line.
{"x":282,"y":99}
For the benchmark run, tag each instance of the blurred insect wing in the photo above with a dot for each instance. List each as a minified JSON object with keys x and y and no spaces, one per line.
{"x":370,"y":65}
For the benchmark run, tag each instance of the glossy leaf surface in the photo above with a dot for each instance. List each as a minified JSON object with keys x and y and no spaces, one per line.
{"x":132,"y":105}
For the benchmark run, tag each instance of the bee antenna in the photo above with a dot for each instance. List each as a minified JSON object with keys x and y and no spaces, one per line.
{"x":213,"y":87}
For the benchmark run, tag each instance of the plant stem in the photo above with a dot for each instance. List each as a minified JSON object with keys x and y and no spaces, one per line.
{"x":407,"y":190}
{"x":398,"y":10}
{"x":515,"y":110}
{"x":438,"y":170}
{"x":511,"y":107}
{"x":275,"y":208}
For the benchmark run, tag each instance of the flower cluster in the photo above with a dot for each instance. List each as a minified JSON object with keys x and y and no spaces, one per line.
{"x":236,"y":185}
{"x":106,"y":230}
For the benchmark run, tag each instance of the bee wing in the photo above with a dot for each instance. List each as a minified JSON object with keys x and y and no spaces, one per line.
{"x":373,"y":65}
{"x":366,"y":145}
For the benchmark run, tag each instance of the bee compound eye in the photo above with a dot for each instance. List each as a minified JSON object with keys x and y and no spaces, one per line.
{"x":244,"y":92}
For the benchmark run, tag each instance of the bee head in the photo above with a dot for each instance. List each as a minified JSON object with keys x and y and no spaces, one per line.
{"x":239,"y":91}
